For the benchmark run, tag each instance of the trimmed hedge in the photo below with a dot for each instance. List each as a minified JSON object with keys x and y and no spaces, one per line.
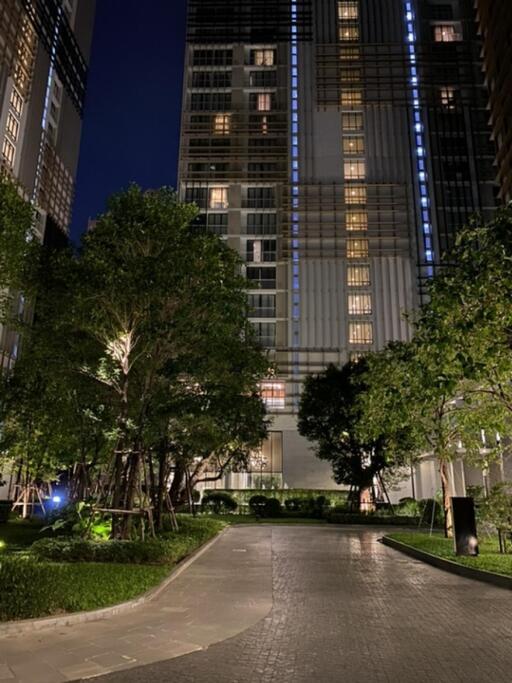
{"x":170,"y":548}
{"x":354,"y":518}
{"x":31,"y":588}
{"x":242,"y":496}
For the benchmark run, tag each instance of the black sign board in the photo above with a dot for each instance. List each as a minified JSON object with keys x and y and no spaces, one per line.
{"x":464,"y":526}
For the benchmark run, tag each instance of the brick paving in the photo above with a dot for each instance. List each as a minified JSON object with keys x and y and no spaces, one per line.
{"x":346,"y":608}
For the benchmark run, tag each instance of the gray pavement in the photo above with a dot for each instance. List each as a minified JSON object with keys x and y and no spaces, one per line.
{"x":223,"y":592}
{"x":346,"y":608}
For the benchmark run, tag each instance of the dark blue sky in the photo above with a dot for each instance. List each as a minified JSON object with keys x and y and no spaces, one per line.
{"x":132,"y":115}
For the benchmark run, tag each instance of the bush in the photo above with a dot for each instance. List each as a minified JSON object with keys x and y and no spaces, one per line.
{"x":31,"y":588}
{"x":272,"y":508}
{"x":219,"y":502}
{"x":257,"y":504}
{"x":294,"y":504}
{"x":5,"y":510}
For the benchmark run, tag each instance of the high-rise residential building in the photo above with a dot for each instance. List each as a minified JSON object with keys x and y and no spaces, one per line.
{"x":495,"y":19}
{"x":337,"y":145}
{"x":44,"y":54}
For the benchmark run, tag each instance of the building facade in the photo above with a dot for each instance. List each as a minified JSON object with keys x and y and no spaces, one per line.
{"x":495,"y":20}
{"x":44,"y":54}
{"x":337,"y":145}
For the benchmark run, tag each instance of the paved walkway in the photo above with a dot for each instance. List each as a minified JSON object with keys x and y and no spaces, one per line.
{"x":347,"y":609}
{"x":225,"y":591}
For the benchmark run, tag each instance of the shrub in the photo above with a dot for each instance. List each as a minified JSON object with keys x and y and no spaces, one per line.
{"x":218,"y":502}
{"x":294,"y":504}
{"x":257,"y":504}
{"x":355,"y":518}
{"x":272,"y":508}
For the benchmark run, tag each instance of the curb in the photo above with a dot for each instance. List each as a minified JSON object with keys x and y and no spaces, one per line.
{"x":498,"y":580}
{"x":23,"y":626}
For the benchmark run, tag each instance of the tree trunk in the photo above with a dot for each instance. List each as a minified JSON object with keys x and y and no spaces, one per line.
{"x":177,"y":487}
{"x":162,"y":484}
{"x":365,"y":500}
{"x":445,"y":481}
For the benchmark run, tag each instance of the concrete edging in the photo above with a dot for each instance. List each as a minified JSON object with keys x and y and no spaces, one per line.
{"x":499,"y":580}
{"x":22,"y":626}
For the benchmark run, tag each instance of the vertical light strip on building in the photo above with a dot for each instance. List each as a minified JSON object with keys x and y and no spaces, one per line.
{"x":419,"y":137}
{"x":294,"y":173}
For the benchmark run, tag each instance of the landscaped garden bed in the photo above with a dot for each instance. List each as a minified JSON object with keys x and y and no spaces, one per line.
{"x":58,"y":575}
{"x":489,"y":559}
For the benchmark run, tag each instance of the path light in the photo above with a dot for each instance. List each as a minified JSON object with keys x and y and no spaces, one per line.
{"x":2,"y":545}
{"x":57,"y":500}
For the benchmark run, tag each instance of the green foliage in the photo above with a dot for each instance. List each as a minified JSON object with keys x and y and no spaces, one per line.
{"x":219,"y":501}
{"x":489,"y":558}
{"x":495,"y":509}
{"x":31,"y":588}
{"x":79,"y":519}
{"x":371,"y":518}
{"x":332,"y":496}
{"x":257,"y":504}
{"x":272,"y":508}
{"x":330,"y":417}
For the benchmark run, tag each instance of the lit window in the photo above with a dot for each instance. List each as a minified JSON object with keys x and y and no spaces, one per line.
{"x":358,"y":276}
{"x":360,"y":304}
{"x":12,"y":126}
{"x":273,"y":394}
{"x":16,"y":103}
{"x":357,"y":248}
{"x":349,"y":53}
{"x":352,"y":120}
{"x":222,"y":124}
{"x":264,"y":102}
{"x":349,"y":32}
{"x":355,"y":194}
{"x":447,"y":97}
{"x":348,"y":9}
{"x":446,"y":33}
{"x":353,"y":145}
{"x":352,"y":75}
{"x":360,"y":333}
{"x":8,"y":152}
{"x":351,"y":98}
{"x":218,"y":198}
{"x":263,"y":57}
{"x":357,"y":220}
{"x":354,"y":170}
{"x":264,"y":125}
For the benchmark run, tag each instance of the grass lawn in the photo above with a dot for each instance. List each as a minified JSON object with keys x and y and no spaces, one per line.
{"x":489,"y":558}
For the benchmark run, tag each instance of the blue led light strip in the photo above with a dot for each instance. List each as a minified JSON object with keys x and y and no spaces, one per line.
{"x":294,"y":174}
{"x":419,"y":137}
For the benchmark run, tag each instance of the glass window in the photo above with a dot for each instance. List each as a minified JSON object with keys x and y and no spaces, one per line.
{"x":261,"y":197}
{"x":12,"y":126}
{"x":352,"y":75}
{"x":360,"y":304}
{"x":353,"y":145}
{"x":349,"y":53}
{"x":262,"y":278}
{"x":446,"y":33}
{"x":354,"y":170}
{"x":8,"y":152}
{"x":352,"y":120}
{"x":448,"y":98}
{"x":355,"y":194}
{"x":348,"y":9}
{"x":357,"y":248}
{"x":222,"y":124}
{"x":349,"y":32}
{"x":218,"y":198}
{"x":16,"y":103}
{"x":360,"y":333}
{"x":273,"y":394}
{"x":263,"y":57}
{"x":261,"y":223}
{"x":265,"y":334}
{"x":263,"y":102}
{"x":262,"y":305}
{"x":261,"y":251}
{"x":263,"y":79}
{"x":351,"y":98}
{"x":357,"y":220}
{"x":358,"y":276}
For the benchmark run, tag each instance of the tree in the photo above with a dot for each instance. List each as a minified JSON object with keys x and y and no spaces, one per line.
{"x":330,"y":416}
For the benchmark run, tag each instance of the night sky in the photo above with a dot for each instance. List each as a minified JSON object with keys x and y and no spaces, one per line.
{"x":132,"y":115}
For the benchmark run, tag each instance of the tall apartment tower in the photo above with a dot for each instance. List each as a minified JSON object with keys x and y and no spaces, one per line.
{"x":495,"y":20}
{"x":44,"y":53}
{"x":337,"y":145}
